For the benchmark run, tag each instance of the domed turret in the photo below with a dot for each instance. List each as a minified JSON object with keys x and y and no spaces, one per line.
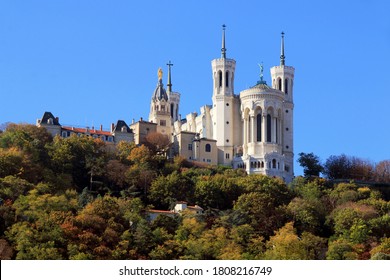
{"x":160,"y":93}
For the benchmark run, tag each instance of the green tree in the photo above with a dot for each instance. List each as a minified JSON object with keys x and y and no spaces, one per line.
{"x":311,"y":164}
{"x":265,"y":213}
{"x":286,"y":245}
{"x":81,"y":157}
{"x":37,"y":234}
{"x":341,"y":249}
{"x":166,"y":190}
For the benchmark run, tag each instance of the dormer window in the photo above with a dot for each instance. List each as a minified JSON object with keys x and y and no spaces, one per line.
{"x":123,"y":129}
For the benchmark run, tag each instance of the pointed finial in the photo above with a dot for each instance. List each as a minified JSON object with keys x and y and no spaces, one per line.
{"x":282,"y":57}
{"x":169,"y":84}
{"x":223,"y":50}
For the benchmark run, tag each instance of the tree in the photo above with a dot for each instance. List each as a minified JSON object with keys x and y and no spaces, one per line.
{"x":382,"y":171}
{"x":311,"y":164}
{"x":83,"y":158}
{"x":165,"y":190}
{"x":159,"y":143}
{"x":265,"y":214}
{"x":337,"y":167}
{"x":347,"y":167}
{"x":341,"y":249}
{"x":286,"y":245}
{"x":37,"y":234}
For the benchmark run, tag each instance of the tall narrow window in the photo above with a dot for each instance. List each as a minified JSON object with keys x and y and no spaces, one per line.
{"x":269,"y":126}
{"x":258,"y":129}
{"x":274,"y":163}
{"x":208,"y":148}
{"x":220,"y":78}
{"x":227,"y":79}
{"x":279,"y":84}
{"x":276,"y":130}
{"x":286,"y":86}
{"x":172,"y":110}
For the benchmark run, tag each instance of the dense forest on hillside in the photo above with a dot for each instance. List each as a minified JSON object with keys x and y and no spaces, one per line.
{"x":76,"y":198}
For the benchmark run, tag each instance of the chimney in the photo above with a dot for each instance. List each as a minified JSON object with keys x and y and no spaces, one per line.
{"x":57,"y":119}
{"x":133,"y":121}
{"x":112,"y":127}
{"x":101,"y":127}
{"x":141,"y":119}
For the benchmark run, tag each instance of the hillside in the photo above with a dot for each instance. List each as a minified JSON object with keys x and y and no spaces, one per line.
{"x":75,"y":198}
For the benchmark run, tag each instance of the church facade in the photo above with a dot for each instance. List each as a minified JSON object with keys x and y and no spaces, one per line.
{"x":252,"y":130}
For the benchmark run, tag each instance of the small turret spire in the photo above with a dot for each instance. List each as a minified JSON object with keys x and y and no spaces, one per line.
{"x":169,"y":83}
{"x":223,"y":49}
{"x":282,"y":57}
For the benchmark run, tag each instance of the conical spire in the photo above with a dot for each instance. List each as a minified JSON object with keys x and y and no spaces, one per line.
{"x":223,"y":50}
{"x":282,"y":57}
{"x":169,"y":83}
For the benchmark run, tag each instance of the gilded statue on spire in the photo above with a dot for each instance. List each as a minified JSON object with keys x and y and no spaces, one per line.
{"x":160,"y":73}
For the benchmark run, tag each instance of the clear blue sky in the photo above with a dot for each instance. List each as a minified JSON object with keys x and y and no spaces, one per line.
{"x":94,"y":62}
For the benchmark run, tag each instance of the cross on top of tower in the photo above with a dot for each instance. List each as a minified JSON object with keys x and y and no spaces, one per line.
{"x":169,"y":84}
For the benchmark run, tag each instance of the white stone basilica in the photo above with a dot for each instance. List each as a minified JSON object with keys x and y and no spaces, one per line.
{"x":252,"y":130}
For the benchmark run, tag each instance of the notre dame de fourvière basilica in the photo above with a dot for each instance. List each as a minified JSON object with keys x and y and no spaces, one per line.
{"x":252,"y":130}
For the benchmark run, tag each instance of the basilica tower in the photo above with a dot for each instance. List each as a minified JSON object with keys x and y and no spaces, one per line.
{"x":173,"y":97}
{"x":224,"y":105}
{"x":283,"y":80}
{"x":160,"y":109}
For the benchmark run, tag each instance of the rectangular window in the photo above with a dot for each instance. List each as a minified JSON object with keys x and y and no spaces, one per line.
{"x":227,"y":156}
{"x":163,"y":122}
{"x":190,"y":147}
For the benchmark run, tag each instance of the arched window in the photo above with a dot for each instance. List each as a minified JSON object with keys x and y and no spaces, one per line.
{"x":172,"y":110}
{"x":227,"y":79}
{"x":274,"y":163}
{"x":258,"y":129}
{"x":262,"y":164}
{"x":286,"y":86}
{"x":220,"y":78}
{"x":276,"y":130}
{"x":279,"y":84}
{"x":208,"y":148}
{"x":269,"y":119}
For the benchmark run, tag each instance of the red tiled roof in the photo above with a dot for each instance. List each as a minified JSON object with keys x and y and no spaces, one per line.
{"x":84,"y":130}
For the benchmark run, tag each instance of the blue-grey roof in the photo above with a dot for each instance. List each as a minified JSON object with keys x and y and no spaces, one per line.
{"x":159,"y":92}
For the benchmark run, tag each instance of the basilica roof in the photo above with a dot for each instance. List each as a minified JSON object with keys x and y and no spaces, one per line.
{"x":159,"y":92}
{"x":261,"y":85}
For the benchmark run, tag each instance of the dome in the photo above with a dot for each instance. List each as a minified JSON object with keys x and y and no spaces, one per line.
{"x":159,"y":92}
{"x":262,"y":85}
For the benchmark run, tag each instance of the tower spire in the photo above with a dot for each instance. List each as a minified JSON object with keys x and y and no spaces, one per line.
{"x":223,"y":50}
{"x":282,"y":57}
{"x":169,"y":83}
